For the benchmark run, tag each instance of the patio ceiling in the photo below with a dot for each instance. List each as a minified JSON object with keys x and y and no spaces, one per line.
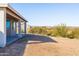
{"x":11,"y":17}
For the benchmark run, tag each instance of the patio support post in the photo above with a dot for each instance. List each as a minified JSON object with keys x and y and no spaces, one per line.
{"x":25,"y":27}
{"x":19,"y":27}
{"x":15,"y":26}
{"x":11,"y":27}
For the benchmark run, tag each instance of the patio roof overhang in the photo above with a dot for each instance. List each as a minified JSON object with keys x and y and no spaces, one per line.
{"x":12,"y":12}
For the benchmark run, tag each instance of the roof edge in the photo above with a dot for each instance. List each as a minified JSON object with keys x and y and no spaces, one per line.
{"x":12,"y":9}
{"x":3,"y":4}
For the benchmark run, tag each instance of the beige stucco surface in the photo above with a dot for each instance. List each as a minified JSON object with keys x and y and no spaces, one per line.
{"x":2,"y":27}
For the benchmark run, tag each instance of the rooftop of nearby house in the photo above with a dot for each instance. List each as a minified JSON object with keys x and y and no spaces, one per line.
{"x":6,"y":5}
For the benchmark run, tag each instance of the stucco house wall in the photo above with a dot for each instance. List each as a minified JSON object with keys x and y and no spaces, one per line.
{"x":2,"y":27}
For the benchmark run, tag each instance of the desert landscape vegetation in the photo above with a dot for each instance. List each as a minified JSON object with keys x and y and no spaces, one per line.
{"x":60,"y":30}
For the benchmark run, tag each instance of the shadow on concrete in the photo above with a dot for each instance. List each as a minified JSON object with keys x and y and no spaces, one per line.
{"x":14,"y":49}
{"x":17,"y":48}
{"x":39,"y":39}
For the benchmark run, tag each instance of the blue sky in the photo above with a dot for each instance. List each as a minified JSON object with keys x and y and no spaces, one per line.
{"x":49,"y":14}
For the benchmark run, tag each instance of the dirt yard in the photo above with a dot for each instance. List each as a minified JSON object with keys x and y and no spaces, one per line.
{"x":62,"y":47}
{"x":42,"y":46}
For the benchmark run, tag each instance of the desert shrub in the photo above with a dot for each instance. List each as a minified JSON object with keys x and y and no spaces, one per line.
{"x":71,"y":34}
{"x":76,"y":33}
{"x":60,"y":30}
{"x":49,"y":32}
{"x":38,"y":30}
{"x":35,"y":30}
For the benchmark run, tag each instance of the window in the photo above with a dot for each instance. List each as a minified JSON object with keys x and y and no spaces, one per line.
{"x":8,"y":24}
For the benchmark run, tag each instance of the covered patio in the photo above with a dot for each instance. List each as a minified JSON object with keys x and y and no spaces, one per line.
{"x":15,"y":28}
{"x":13,"y":25}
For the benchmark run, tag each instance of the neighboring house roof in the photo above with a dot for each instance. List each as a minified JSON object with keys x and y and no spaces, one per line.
{"x":13,"y":10}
